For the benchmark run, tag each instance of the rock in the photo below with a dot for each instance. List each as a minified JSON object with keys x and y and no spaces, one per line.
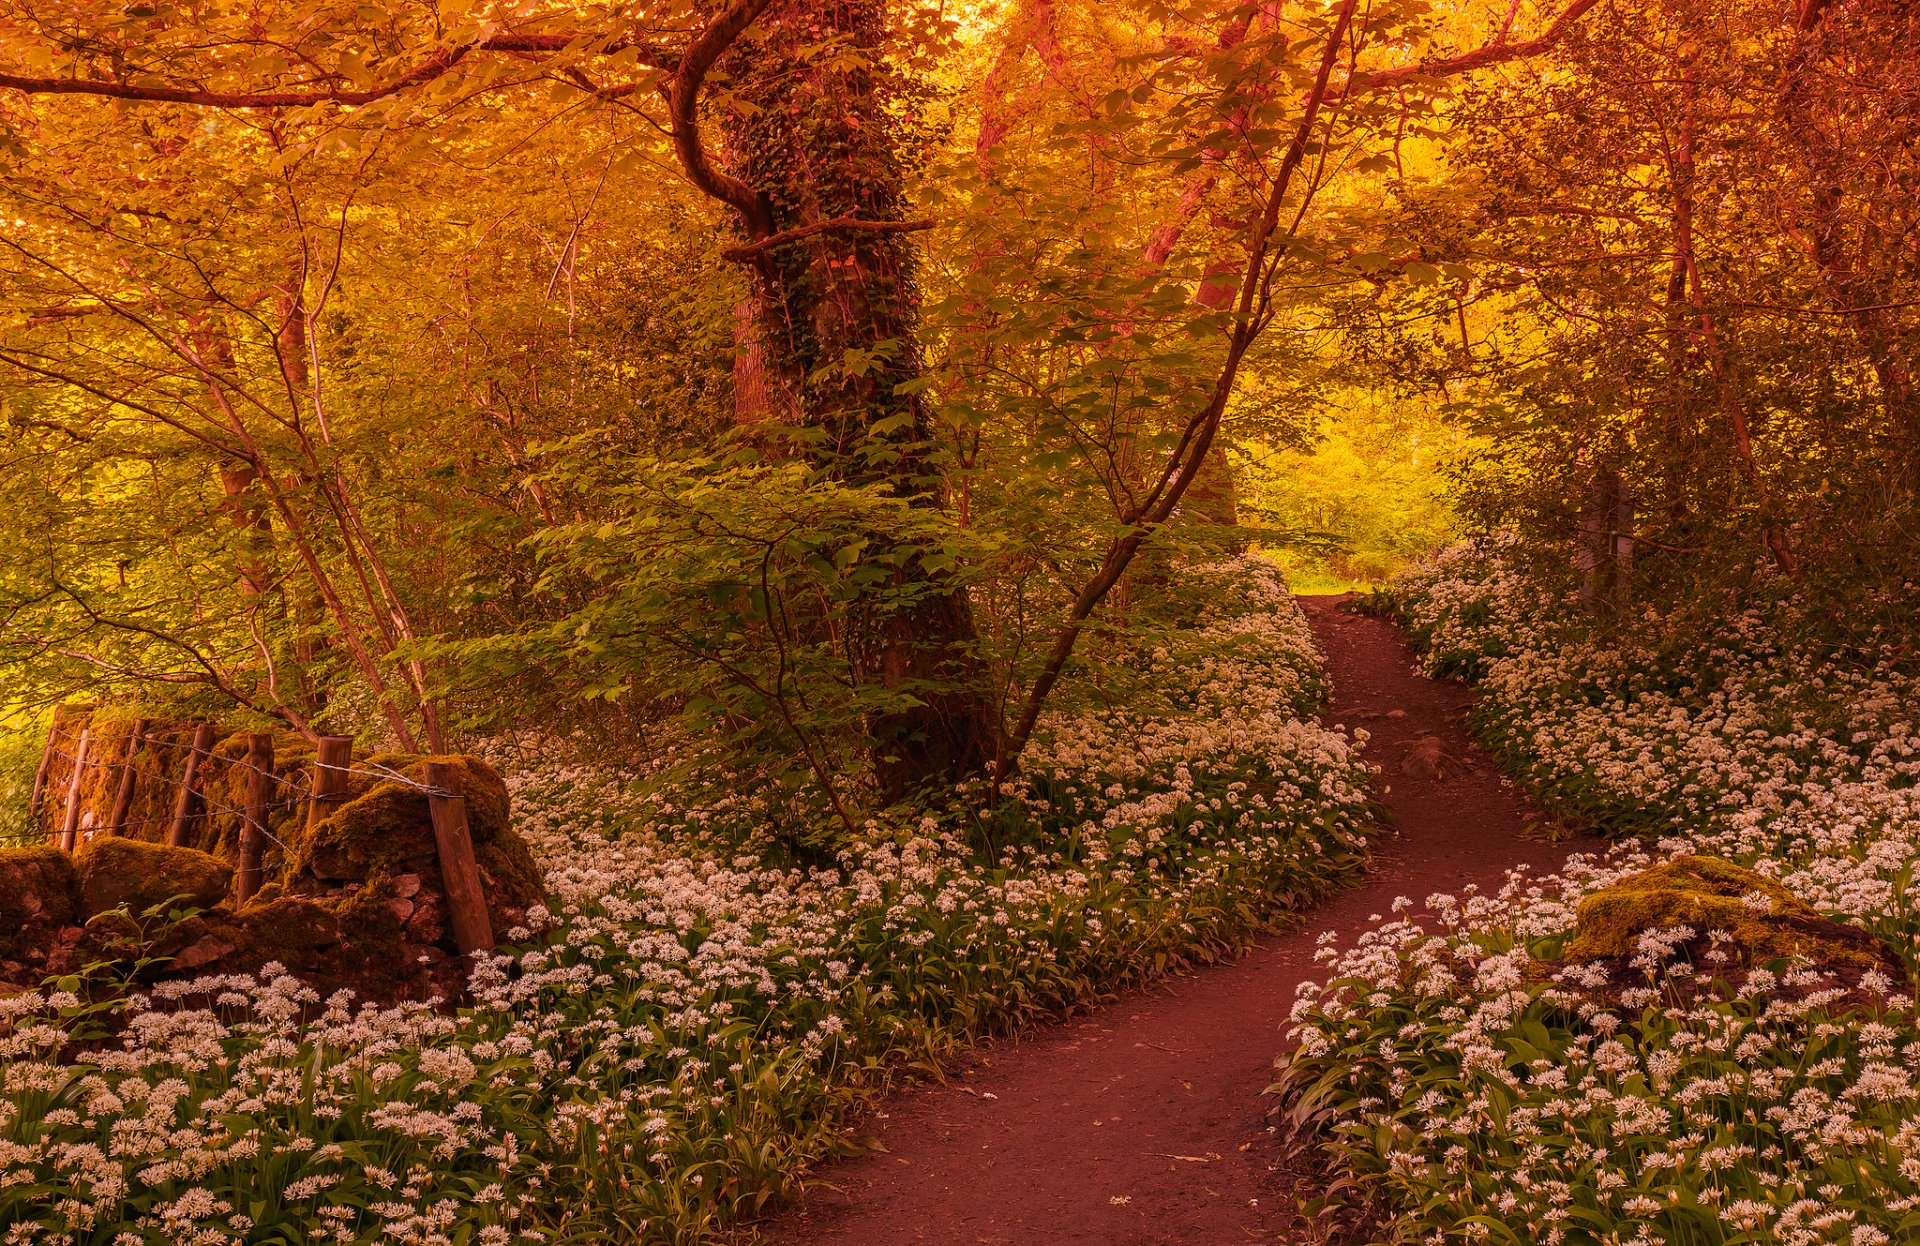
{"x":1764,"y":919}
{"x":402,"y":908}
{"x":37,"y":890}
{"x":1396,"y":714}
{"x":428,"y":921}
{"x":114,"y":870}
{"x":202,"y":952}
{"x":406,"y":886}
{"x":291,"y":924}
{"x":386,"y":821}
{"x":512,"y":880}
{"x":1427,"y":758}
{"x":422,"y":954}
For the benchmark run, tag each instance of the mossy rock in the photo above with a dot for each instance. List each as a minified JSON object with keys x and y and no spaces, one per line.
{"x":385,"y":822}
{"x":37,"y":891}
{"x":512,"y":879}
{"x":114,"y":870}
{"x":1707,"y":894}
{"x":290,"y":929}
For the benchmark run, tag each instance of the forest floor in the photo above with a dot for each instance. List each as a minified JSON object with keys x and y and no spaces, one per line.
{"x":1142,"y":1123}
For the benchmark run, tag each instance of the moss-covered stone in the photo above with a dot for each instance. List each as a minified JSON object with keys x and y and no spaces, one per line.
{"x":114,"y":870}
{"x":159,"y":765}
{"x":289,"y":930}
{"x":512,"y":879}
{"x":1764,"y":919}
{"x":37,"y":894}
{"x":36,"y":885}
{"x":385,"y":823}
{"x":360,"y":904}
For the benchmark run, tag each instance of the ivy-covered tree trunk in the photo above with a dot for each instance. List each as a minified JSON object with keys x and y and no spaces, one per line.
{"x":816,"y":131}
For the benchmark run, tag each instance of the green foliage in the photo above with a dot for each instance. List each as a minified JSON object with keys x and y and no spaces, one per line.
{"x":1657,"y":1041}
{"x":22,"y":737}
{"x":1679,"y":227}
{"x":1364,"y":499}
{"x":741,"y":598}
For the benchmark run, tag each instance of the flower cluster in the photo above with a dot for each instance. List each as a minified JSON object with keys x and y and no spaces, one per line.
{"x":682,"y":1026}
{"x":1487,"y":1091}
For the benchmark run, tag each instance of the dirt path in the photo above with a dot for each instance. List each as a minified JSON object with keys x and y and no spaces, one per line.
{"x":1143,"y":1122}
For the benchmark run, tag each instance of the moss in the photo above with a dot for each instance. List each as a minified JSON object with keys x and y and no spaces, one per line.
{"x":289,"y":929}
{"x":224,"y":780}
{"x":385,"y":823}
{"x":367,"y":921}
{"x":1706,"y":893}
{"x":38,"y":890}
{"x":513,"y":880}
{"x":114,"y":871}
{"x":159,"y":766}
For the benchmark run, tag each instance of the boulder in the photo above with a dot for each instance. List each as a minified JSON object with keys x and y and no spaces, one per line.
{"x":37,"y":891}
{"x":291,"y":930}
{"x":1427,"y":758}
{"x":512,"y":879}
{"x":114,"y":870}
{"x":36,"y":887}
{"x":385,"y":824}
{"x":1764,"y":920}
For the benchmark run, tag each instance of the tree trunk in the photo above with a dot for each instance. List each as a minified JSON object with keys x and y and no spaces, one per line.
{"x":1705,"y":330}
{"x":832,"y":322}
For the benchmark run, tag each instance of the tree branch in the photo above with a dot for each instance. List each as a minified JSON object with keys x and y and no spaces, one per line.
{"x":433,"y":67}
{"x":1183,"y":464}
{"x":741,"y":255}
{"x":683,"y":109}
{"x":1495,"y":53}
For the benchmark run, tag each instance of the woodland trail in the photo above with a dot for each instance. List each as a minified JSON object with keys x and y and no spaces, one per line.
{"x":1143,"y":1123}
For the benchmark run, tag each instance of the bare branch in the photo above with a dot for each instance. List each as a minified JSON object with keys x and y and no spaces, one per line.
{"x":433,"y":67}
{"x":683,"y":109}
{"x":1494,"y":53}
{"x":740,"y":255}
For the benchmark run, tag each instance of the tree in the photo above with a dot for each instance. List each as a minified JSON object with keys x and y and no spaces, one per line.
{"x":1672,"y":280}
{"x":1239,"y":119}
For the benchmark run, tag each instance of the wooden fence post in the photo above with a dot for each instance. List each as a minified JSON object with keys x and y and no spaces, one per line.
{"x":39,"y":799}
{"x":70,"y":819}
{"x":459,"y":871}
{"x":331,"y":758}
{"x":123,"y":799}
{"x":253,"y":829}
{"x":189,"y":798}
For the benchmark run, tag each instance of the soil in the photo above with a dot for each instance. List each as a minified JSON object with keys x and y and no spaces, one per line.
{"x":1143,"y":1122}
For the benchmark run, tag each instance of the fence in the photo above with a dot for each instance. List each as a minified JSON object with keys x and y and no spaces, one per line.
{"x":260,"y":790}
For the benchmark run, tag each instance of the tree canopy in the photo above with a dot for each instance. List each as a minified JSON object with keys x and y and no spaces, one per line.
{"x":812,"y":377}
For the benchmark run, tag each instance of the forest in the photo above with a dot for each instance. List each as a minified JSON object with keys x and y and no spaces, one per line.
{"x":1099,"y":622}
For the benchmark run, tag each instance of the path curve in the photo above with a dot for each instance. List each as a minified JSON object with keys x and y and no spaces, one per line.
{"x":1142,"y":1123}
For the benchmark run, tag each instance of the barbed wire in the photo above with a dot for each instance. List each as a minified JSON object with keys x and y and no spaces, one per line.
{"x":291,"y":777}
{"x":293,"y":790}
{"x":241,"y":762}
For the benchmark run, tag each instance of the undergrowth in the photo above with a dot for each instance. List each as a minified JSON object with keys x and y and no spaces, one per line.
{"x":684,"y":1028}
{"x":1478,"y":1087}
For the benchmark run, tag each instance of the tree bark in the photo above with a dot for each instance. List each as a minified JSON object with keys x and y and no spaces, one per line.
{"x":832,"y":321}
{"x":1705,"y":330}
